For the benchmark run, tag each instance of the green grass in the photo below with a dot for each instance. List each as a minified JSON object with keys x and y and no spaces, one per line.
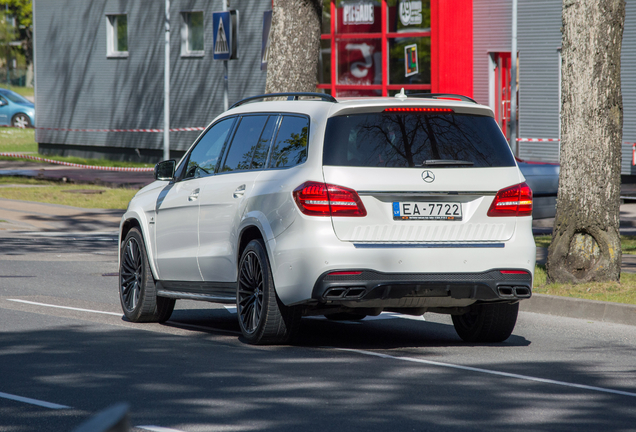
{"x":623,"y":292}
{"x":14,"y":140}
{"x":24,"y":91}
{"x":628,"y":243}
{"x":56,"y":193}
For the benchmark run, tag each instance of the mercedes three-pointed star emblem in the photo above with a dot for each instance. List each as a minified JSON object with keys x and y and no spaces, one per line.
{"x":428,"y":176}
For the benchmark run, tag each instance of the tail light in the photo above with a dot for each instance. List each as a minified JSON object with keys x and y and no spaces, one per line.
{"x":512,"y":201}
{"x":322,"y":199}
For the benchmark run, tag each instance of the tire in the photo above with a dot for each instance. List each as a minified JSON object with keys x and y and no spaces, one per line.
{"x":262,"y":317}
{"x":487,"y":323}
{"x":21,"y":120}
{"x":345,"y":316}
{"x":137,"y":291}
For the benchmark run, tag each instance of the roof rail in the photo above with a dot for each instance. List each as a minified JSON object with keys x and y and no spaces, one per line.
{"x":443,"y":96}
{"x":290,"y":96}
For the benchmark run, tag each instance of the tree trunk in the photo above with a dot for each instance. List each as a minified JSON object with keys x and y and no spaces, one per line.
{"x":294,"y":47}
{"x":586,"y":241}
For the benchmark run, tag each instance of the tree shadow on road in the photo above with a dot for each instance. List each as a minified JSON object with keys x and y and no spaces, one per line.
{"x":212,"y":382}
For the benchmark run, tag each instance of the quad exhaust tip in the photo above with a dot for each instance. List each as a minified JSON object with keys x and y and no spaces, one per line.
{"x":514,"y":292}
{"x":340,"y":293}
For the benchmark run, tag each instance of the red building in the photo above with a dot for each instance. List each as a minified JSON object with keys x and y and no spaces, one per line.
{"x":379,"y":47}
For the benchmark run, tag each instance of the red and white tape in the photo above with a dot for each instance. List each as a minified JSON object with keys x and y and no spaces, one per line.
{"x":184,"y":129}
{"x":92,"y":167}
{"x":538,"y":139}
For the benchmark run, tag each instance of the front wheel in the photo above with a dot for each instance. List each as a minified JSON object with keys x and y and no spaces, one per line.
{"x":21,"y":121}
{"x":487,"y":323}
{"x":137,"y":291}
{"x":262,"y":317}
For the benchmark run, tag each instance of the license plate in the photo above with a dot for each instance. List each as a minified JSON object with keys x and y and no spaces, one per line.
{"x":427,"y":211}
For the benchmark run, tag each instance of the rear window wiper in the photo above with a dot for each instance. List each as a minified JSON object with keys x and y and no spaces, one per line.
{"x":438,"y":162}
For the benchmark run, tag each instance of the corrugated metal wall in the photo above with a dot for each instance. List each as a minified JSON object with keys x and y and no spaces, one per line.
{"x":491,"y":33}
{"x":78,"y":87}
{"x":628,"y":86}
{"x":538,"y":38}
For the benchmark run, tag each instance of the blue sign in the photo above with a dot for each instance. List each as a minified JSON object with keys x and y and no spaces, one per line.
{"x":222,"y":41}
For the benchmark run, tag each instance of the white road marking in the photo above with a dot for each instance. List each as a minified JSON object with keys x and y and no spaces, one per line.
{"x":231,"y":309}
{"x":158,"y":429}
{"x":32,"y":401}
{"x":65,"y":307}
{"x":491,"y":372}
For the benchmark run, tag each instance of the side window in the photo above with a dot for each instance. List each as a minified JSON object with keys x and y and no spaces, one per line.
{"x":290,"y":148}
{"x":244,"y":143}
{"x":205,"y":155}
{"x":262,"y":148}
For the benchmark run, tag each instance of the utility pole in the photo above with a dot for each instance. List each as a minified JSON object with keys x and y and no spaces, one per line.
{"x":166,"y":87}
{"x":513,"y":83}
{"x":226,"y":103}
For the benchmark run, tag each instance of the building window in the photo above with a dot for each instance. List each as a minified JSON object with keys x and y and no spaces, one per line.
{"x":117,"y":34}
{"x":192,"y":34}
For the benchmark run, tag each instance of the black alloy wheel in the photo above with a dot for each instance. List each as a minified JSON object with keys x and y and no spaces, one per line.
{"x":250,"y":292}
{"x":130,"y":275}
{"x":262,"y":317}
{"x":137,"y":291}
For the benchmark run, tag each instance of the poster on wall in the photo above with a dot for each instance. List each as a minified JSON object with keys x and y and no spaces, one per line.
{"x":410,"y":60}
{"x":411,"y":12}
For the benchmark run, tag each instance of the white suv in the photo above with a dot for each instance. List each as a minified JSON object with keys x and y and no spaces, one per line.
{"x":342,"y":208}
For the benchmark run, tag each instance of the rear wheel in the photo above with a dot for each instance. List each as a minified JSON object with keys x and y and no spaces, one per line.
{"x":262,"y":317}
{"x":487,"y":322}
{"x":137,"y":291}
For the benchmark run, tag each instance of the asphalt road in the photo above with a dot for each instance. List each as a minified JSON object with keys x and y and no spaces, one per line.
{"x":65,"y":348}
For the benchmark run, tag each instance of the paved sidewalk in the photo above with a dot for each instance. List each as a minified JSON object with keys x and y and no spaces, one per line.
{"x":18,"y":217}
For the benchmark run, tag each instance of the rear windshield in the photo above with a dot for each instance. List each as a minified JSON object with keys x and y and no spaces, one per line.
{"x":415,"y":139}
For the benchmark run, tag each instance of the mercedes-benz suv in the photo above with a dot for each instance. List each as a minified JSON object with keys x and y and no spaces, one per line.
{"x":313,"y":205}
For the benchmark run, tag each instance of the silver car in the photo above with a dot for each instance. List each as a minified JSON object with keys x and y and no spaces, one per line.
{"x":342,"y":208}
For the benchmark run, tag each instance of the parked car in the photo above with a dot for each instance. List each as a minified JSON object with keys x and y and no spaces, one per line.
{"x":341,"y":208}
{"x":543,"y":179}
{"x":15,"y":110}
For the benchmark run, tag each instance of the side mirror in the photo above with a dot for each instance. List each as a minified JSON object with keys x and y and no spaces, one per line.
{"x":165,"y":170}
{"x":3,"y":102}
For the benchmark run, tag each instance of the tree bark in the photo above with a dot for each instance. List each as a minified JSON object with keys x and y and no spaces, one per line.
{"x":294,"y":47}
{"x":586,"y":241}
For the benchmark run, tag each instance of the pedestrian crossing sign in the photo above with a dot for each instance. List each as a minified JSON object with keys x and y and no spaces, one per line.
{"x":225,"y":41}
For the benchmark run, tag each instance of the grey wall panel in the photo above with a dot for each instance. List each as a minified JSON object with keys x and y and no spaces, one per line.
{"x":78,"y":87}
{"x":491,"y":33}
{"x":628,"y":86}
{"x":539,"y":37}
{"x":539,"y":151}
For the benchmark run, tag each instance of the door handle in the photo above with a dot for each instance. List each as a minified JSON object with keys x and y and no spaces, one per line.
{"x":239,"y":192}
{"x":194,"y":195}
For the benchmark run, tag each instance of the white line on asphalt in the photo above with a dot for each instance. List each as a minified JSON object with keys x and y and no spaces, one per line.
{"x":32,"y":401}
{"x":491,"y":372}
{"x":65,"y":307}
{"x":158,"y":429}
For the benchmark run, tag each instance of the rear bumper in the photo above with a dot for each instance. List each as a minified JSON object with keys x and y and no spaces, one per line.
{"x":375,"y":287}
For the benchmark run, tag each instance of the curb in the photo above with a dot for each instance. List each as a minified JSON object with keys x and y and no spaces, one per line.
{"x":593,"y":310}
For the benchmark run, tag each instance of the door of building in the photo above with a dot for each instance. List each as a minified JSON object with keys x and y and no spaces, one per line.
{"x":501,"y":88}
